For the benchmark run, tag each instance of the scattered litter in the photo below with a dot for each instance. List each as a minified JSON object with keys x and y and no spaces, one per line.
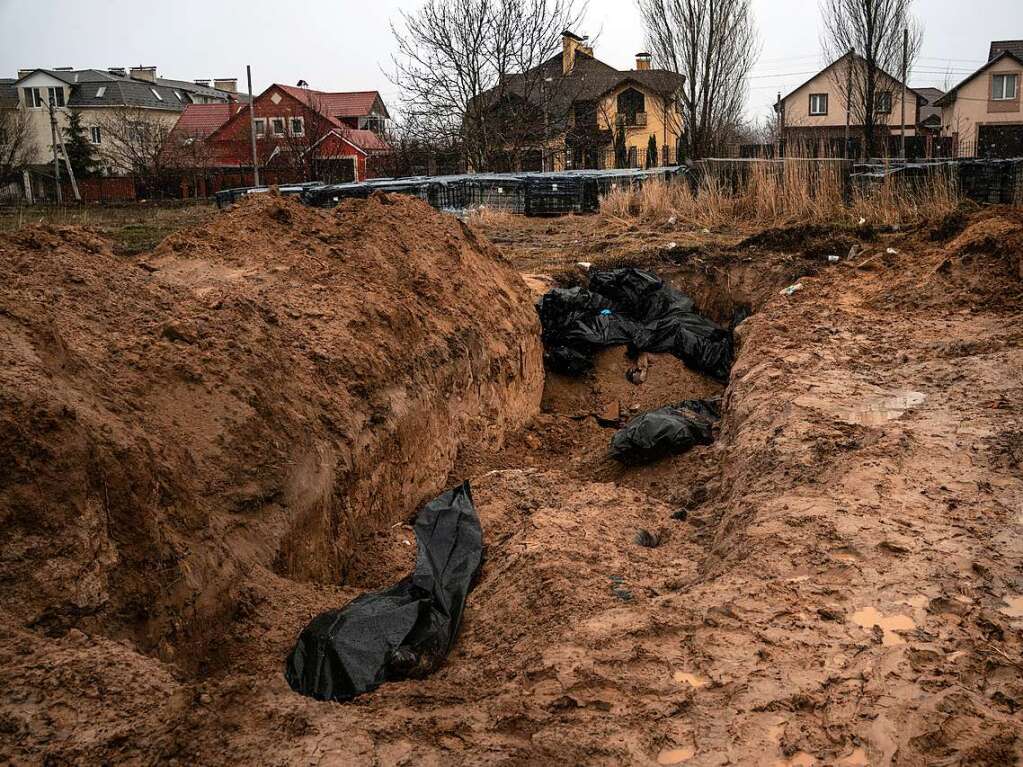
{"x":666,"y":431}
{"x":862,"y":221}
{"x":705,"y":230}
{"x":892,"y":252}
{"x":792,"y":289}
{"x":672,"y":245}
{"x":833,"y":259}
{"x":637,"y":372}
{"x":585,"y":264}
{"x":629,"y":307}
{"x":404,"y":631}
{"x":853,"y":251}
{"x":672,"y":220}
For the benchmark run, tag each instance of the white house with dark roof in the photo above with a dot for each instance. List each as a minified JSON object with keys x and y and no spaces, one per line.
{"x":983,"y":113}
{"x":100,"y":96}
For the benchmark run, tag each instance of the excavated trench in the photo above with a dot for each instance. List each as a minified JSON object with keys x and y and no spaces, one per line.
{"x":812,"y":588}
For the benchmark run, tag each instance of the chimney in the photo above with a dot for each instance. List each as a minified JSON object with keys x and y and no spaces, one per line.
{"x":63,"y":69}
{"x":571,"y":45}
{"x":643,"y":60}
{"x":229,"y":84}
{"x":119,"y":71}
{"x":203,"y":83}
{"x":144,"y":73}
{"x":24,"y":72}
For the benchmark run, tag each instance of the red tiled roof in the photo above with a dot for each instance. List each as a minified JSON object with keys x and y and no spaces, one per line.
{"x":367,"y":139}
{"x":200,"y":120}
{"x":354,"y":104}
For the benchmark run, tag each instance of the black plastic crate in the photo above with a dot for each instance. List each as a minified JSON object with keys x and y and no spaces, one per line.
{"x":551,"y":195}
{"x":497,"y":192}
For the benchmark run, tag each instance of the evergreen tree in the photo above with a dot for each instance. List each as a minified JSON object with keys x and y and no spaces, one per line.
{"x":79,"y":148}
{"x":651,"y":152}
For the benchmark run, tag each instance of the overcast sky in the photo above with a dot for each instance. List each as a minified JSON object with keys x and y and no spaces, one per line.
{"x":347,"y":44}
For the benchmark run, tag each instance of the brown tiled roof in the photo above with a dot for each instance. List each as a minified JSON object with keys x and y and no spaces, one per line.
{"x":589,"y":79}
{"x":927,"y":98}
{"x":949,"y":97}
{"x":1015,"y":47}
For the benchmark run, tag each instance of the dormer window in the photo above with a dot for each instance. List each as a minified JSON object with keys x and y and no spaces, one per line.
{"x":101,"y":91}
{"x":155,"y":93}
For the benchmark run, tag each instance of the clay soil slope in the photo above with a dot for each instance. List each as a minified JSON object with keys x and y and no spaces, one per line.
{"x":247,"y":401}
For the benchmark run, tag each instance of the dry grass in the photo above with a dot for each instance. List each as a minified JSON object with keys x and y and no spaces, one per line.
{"x":134,"y":227}
{"x":773,"y":194}
{"x":489,"y":216}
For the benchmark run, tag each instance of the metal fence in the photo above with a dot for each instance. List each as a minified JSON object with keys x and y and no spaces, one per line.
{"x":535,"y":194}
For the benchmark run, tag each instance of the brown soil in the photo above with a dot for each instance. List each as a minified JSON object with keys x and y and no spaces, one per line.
{"x":258,"y":393}
{"x":846,"y":586}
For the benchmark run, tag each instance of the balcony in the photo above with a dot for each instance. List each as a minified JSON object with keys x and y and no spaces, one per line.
{"x":635,"y":120}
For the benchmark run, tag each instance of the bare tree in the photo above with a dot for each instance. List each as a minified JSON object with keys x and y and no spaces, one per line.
{"x":714,"y":44}
{"x":872,"y":30}
{"x":454,"y":66}
{"x":135,"y":142}
{"x":16,"y":145}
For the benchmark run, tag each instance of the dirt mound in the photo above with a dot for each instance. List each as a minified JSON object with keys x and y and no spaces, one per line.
{"x":260,"y":392}
{"x":998,"y":235}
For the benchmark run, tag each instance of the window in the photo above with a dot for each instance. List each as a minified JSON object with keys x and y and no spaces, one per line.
{"x":631,"y":104}
{"x":55,"y":96}
{"x":1003,"y":87}
{"x":277,"y":125}
{"x":158,"y":96}
{"x":100,"y":91}
{"x":260,"y":127}
{"x":297,"y":126}
{"x":95,"y":136}
{"x":818,"y":103}
{"x":32,"y":97}
{"x":884,"y":102}
{"x":372,"y":122}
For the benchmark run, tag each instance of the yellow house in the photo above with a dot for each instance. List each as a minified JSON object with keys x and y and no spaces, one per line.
{"x":574,"y":111}
{"x":813,"y":117}
{"x":982,"y":114}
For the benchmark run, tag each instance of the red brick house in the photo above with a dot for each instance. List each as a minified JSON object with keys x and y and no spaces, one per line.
{"x":301,"y":134}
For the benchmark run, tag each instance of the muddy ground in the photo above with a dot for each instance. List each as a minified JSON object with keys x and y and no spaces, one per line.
{"x":837,"y":580}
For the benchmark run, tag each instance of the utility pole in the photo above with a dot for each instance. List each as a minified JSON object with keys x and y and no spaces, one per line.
{"x":56,"y":157}
{"x":905,"y":64}
{"x":543,"y":98}
{"x":848,"y":97}
{"x":780,"y":109}
{"x":67,"y":160}
{"x":252,"y":128}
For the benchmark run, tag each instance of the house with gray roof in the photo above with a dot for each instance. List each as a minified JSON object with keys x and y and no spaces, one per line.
{"x":112,"y":103}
